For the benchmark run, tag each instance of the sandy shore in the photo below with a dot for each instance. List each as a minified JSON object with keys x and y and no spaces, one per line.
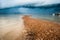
{"x":28,"y":28}
{"x":41,"y":29}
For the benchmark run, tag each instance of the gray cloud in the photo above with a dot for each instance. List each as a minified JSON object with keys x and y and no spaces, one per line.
{"x":10,"y":3}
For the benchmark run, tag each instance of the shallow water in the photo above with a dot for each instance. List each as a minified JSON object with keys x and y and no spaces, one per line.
{"x":11,"y":23}
{"x":41,"y":13}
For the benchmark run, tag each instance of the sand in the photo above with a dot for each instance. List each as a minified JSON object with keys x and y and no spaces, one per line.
{"x":41,"y":29}
{"x":28,"y":28}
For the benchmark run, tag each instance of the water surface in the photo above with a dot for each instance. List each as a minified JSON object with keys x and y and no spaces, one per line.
{"x":41,"y":13}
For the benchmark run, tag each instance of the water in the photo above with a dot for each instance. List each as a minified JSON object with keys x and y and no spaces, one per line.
{"x":11,"y":24}
{"x":41,"y":13}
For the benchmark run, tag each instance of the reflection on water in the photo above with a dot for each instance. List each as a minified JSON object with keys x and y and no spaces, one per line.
{"x":49,"y":17}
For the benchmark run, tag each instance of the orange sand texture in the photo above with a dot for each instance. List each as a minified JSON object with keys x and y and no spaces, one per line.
{"x":41,"y":30}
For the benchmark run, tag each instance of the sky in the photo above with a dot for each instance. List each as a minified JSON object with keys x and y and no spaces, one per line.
{"x":11,"y":3}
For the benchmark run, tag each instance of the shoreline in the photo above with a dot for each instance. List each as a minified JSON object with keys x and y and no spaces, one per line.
{"x":27,"y":27}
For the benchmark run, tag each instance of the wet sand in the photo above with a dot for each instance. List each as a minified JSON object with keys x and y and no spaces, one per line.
{"x":28,"y":28}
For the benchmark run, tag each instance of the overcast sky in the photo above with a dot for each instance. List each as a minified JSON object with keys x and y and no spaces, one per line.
{"x":10,"y":3}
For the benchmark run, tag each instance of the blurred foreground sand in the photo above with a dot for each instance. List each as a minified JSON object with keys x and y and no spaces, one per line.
{"x":41,"y":29}
{"x":28,"y":28}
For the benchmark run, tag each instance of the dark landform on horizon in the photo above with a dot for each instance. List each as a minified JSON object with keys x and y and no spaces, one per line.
{"x":55,"y":7}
